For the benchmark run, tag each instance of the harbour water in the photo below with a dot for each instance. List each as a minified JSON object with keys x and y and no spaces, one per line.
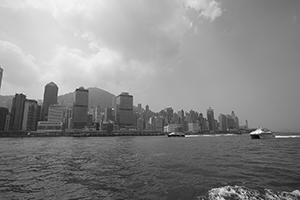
{"x":195,"y":167}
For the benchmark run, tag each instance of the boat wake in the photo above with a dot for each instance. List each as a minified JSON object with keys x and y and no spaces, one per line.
{"x":287,"y":136}
{"x":241,"y":192}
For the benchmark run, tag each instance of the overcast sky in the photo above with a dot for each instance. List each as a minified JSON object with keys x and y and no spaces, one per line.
{"x":240,"y":55}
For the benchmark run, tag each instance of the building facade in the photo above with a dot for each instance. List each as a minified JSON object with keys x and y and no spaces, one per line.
{"x":211,"y":119}
{"x":29,"y":122}
{"x":50,"y":98}
{"x":124,"y":110}
{"x":55,"y":113}
{"x":17,"y":111}
{"x":80,"y":108}
{"x":3,"y":115}
{"x":1,"y":75}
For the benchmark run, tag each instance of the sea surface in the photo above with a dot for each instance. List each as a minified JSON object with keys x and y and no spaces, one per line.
{"x":150,"y":167}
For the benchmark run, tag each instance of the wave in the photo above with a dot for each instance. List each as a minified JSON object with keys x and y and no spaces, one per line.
{"x":241,"y":192}
{"x":287,"y":136}
{"x":217,"y":135}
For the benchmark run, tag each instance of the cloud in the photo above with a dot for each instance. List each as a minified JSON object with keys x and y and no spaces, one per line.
{"x":20,"y":69}
{"x":111,"y":44}
{"x":209,"y":9}
{"x":106,"y":69}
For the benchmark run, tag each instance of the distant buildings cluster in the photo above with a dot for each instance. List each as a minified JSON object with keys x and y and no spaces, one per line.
{"x":30,"y":115}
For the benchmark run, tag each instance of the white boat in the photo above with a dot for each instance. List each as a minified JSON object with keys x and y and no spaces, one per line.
{"x":262,"y":133}
{"x":176,"y":134}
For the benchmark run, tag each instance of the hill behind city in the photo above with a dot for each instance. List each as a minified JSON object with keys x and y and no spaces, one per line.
{"x":97,"y":97}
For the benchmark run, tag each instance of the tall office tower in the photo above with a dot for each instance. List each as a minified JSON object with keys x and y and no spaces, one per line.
{"x":169,"y":114}
{"x":109,"y":114}
{"x":97,"y":114}
{"x":50,"y":98}
{"x":80,"y":108}
{"x":140,"y":124}
{"x":235,"y":119}
{"x":223,"y":122}
{"x":1,"y":75}
{"x":140,"y":108}
{"x":202,"y":122}
{"x":211,"y":119}
{"x":29,"y":122}
{"x":230,"y":122}
{"x":159,"y":124}
{"x":3,"y":114}
{"x":55,"y":113}
{"x":124,"y":110}
{"x":17,"y":111}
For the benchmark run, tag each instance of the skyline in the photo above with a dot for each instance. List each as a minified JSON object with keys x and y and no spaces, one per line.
{"x":185,"y":54}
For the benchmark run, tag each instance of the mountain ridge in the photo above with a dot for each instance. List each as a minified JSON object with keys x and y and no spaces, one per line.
{"x":97,"y":97}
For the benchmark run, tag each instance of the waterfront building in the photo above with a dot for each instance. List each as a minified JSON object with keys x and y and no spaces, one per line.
{"x":55,"y":113}
{"x":223,"y":122}
{"x":182,"y":120}
{"x":150,"y":125}
{"x":159,"y":124}
{"x":202,"y":122}
{"x":235,"y":119}
{"x":46,"y":126}
{"x":3,"y":114}
{"x":7,"y":122}
{"x":124,"y":110}
{"x":97,"y":114}
{"x":172,"y":128}
{"x":193,"y":127}
{"x":29,"y":122}
{"x":80,"y":108}
{"x":17,"y":112}
{"x":230,"y":122}
{"x":211,"y":119}
{"x":1,"y":75}
{"x":169,"y":114}
{"x":109,"y":114}
{"x":140,"y":124}
{"x":50,"y":98}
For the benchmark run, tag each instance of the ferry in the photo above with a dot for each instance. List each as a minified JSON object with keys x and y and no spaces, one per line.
{"x":176,"y":134}
{"x":262,"y":133}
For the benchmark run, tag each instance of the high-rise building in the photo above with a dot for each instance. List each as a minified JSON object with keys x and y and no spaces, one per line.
{"x":211,"y":119}
{"x":223,"y":122}
{"x":80,"y":108}
{"x":124,"y":110}
{"x":29,"y":122}
{"x":50,"y":98}
{"x":3,"y":114}
{"x":1,"y":75}
{"x":55,"y":113}
{"x":17,"y":111}
{"x":235,"y":119}
{"x":109,"y":114}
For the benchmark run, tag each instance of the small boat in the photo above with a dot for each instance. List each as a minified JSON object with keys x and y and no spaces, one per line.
{"x":176,"y":134}
{"x":261,"y":133}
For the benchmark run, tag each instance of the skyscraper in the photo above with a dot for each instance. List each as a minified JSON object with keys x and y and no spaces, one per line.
{"x":80,"y":108}
{"x":29,"y":122}
{"x":211,"y":119}
{"x":17,"y":111}
{"x":223,"y":122}
{"x":1,"y":75}
{"x":124,"y":110}
{"x":3,"y":114}
{"x":50,"y":98}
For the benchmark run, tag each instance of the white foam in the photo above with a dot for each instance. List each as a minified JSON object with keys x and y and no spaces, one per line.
{"x":243,"y":193}
{"x":287,"y":136}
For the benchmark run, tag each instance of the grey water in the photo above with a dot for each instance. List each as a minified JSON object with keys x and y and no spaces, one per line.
{"x":147,"y":167}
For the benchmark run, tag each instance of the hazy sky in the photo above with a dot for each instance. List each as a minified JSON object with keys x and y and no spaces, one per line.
{"x":240,"y":55}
